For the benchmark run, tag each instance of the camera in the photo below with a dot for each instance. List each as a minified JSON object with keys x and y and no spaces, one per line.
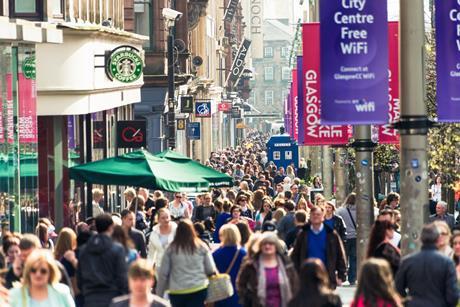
{"x":171,"y":14}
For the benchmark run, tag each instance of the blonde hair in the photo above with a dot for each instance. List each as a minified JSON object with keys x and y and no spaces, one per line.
{"x":230,"y":235}
{"x":97,"y":192}
{"x":38,"y":256}
{"x":278,"y":214}
{"x":67,"y":240}
{"x":130,"y":191}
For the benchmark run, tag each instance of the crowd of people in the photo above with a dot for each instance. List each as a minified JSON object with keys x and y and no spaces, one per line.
{"x":279,"y":244}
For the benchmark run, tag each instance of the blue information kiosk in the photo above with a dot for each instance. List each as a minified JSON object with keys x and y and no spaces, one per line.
{"x":283,"y":151}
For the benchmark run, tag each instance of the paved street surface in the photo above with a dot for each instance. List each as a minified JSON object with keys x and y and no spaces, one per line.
{"x":346,"y":294}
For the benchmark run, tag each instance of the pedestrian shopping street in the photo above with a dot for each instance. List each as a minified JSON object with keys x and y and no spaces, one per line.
{"x":229,"y":153}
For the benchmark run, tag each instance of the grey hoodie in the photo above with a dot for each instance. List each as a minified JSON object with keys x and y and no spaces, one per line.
{"x":180,"y":271}
{"x":343,"y":213}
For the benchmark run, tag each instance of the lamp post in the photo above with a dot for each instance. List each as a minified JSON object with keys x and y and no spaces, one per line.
{"x":171,"y":16}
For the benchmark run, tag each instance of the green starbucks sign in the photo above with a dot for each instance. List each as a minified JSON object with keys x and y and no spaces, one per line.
{"x":124,"y":64}
{"x":28,"y":67}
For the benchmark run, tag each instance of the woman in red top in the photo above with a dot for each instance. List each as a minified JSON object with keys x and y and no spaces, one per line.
{"x":376,"y":286}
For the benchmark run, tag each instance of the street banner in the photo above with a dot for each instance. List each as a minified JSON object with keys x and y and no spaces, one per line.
{"x":354,"y":62}
{"x":238,"y":64}
{"x":9,"y":109}
{"x":314,"y":133}
{"x":27,"y":123}
{"x":448,"y":60}
{"x":386,"y":134}
{"x":294,"y":107}
{"x":300,"y":109}
{"x":231,"y":10}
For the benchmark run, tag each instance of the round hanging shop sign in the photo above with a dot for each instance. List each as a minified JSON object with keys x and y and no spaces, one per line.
{"x":125,"y":65}
{"x":28,"y":67}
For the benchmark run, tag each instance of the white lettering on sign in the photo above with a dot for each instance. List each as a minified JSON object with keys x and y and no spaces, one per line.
{"x":282,"y":145}
{"x":256,"y":19}
{"x":354,"y":41}
{"x":454,"y":16}
{"x":312,"y":107}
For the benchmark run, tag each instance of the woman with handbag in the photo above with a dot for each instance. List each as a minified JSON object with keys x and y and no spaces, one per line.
{"x":185,"y":268}
{"x":269,"y":278}
{"x":228,"y":259}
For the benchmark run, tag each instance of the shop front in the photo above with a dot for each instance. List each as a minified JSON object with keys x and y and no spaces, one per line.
{"x":80,"y":103}
{"x":18,"y":121}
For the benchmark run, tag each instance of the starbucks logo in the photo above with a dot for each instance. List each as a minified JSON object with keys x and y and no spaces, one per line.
{"x":28,"y":67}
{"x":125,"y":66}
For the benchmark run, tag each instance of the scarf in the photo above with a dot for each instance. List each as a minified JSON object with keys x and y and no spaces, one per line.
{"x":285,"y":287}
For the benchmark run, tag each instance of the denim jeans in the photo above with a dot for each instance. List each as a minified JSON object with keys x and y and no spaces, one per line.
{"x":195,"y":299}
{"x":350,"y":249}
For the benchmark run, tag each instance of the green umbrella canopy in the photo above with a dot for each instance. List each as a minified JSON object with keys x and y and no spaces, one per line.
{"x":215,"y":178}
{"x":141,"y":169}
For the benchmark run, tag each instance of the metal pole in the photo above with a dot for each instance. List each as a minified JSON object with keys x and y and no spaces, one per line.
{"x":364,"y":188}
{"x":413,"y":125}
{"x":340,"y":178}
{"x":171,"y":116}
{"x":327,"y":171}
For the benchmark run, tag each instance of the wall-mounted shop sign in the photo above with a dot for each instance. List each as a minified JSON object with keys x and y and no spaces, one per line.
{"x":224,"y":106}
{"x":186,"y":104}
{"x":194,"y":131}
{"x":238,"y":63}
{"x":99,"y":134}
{"x":131,"y":134}
{"x":231,"y":10}
{"x":181,"y":122}
{"x":203,"y":109}
{"x":124,"y":64}
{"x":28,"y":67}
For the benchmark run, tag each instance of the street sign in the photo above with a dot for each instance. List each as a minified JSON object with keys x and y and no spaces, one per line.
{"x":238,"y":63}
{"x":131,"y":134}
{"x":193,"y":131}
{"x":224,"y":106}
{"x":186,"y":104}
{"x":203,"y":109}
{"x":181,"y":124}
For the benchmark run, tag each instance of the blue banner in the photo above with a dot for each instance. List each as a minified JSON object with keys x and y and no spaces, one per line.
{"x":448,"y":60}
{"x":354,"y":62}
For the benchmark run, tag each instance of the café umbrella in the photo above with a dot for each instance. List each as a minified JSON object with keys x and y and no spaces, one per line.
{"x":141,"y":169}
{"x":215,"y":178}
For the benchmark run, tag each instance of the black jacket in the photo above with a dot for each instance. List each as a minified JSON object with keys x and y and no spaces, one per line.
{"x":336,"y":264}
{"x":102,"y":271}
{"x":139,"y":241}
{"x":430,"y":278}
{"x":339,"y":226}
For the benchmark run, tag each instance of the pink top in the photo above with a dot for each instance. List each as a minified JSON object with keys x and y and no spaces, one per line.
{"x":272,"y":287}
{"x":380,"y":303}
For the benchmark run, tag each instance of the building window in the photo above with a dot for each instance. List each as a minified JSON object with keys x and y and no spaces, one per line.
{"x":268,"y":52}
{"x":284,"y":52}
{"x":268,"y":73}
{"x":58,"y":8}
{"x":269,"y":97}
{"x":27,"y":9}
{"x":286,"y":73}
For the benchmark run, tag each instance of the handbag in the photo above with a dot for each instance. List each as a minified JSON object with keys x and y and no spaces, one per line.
{"x":220,"y":285}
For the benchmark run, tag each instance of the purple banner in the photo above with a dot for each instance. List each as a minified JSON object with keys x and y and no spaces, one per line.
{"x":448,"y":60}
{"x":354,"y":62}
{"x":300,"y":109}
{"x":71,"y":131}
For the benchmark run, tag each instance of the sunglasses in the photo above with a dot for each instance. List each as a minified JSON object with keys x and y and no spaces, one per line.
{"x":42,"y":271}
{"x":178,"y":196}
